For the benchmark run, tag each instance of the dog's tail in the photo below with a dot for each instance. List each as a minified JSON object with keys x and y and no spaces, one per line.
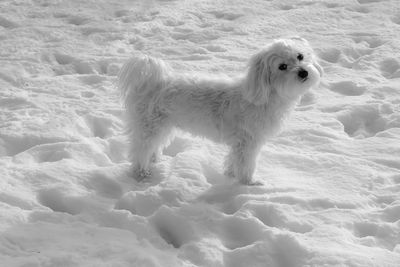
{"x":140,"y":77}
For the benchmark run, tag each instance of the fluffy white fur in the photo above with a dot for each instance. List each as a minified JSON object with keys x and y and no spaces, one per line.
{"x":240,"y":112}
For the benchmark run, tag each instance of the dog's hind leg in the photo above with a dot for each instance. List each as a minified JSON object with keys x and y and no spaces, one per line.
{"x":228,"y":166}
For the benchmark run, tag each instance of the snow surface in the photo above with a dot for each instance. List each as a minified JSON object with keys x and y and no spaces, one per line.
{"x":332,"y":177}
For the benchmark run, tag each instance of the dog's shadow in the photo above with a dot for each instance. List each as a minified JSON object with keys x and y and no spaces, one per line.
{"x":229,"y":195}
{"x":191,"y":172}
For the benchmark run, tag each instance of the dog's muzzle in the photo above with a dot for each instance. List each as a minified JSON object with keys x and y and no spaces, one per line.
{"x":303,"y":74}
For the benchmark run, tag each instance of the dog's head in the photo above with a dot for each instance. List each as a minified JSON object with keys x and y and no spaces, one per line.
{"x":287,"y":67}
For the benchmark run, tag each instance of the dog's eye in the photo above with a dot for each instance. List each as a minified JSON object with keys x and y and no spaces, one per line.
{"x":283,"y":67}
{"x":300,"y":57}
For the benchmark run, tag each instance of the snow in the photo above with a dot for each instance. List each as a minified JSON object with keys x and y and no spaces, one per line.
{"x":332,"y":177}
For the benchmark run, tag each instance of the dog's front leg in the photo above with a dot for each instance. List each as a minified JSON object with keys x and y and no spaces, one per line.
{"x":242,"y":161}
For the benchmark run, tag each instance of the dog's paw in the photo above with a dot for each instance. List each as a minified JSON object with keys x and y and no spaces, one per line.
{"x":256,"y":183}
{"x":252,"y":182}
{"x":141,"y":174}
{"x":229,"y":173}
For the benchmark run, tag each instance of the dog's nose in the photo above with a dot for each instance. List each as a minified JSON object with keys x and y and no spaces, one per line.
{"x":302,"y":73}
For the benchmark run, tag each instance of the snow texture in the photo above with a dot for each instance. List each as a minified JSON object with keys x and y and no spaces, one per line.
{"x":331,"y":178}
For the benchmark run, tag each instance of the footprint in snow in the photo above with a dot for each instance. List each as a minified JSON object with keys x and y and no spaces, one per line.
{"x":396,"y":19}
{"x":121,"y":13}
{"x":92,"y":30}
{"x":142,"y":203}
{"x":382,"y":230}
{"x":203,"y":36}
{"x":238,"y":232}
{"x":273,"y":215}
{"x":371,"y":41}
{"x":226,"y":15}
{"x":353,"y":57}
{"x":390,"y":68}
{"x":287,"y":7}
{"x":78,"y":20}
{"x":347,"y":88}
{"x":57,"y":200}
{"x":101,"y":126}
{"x":357,"y":52}
{"x":7,"y":23}
{"x":72,"y":19}
{"x":195,"y":57}
{"x":331,"y":55}
{"x":172,"y":22}
{"x":376,"y":234}
{"x":367,"y":1}
{"x":330,"y":5}
{"x":363,"y":229}
{"x":52,"y":152}
{"x":363,"y":121}
{"x":391,"y":213}
{"x":104,"y":186}
{"x":65,"y":64}
{"x":92,"y":79}
{"x":16,"y":102}
{"x":359,"y":8}
{"x":215,"y":48}
{"x":396,"y":179}
{"x":63,"y":59}
{"x":172,"y":227}
{"x":68,"y":65}
{"x":18,"y":144}
{"x":87,"y":94}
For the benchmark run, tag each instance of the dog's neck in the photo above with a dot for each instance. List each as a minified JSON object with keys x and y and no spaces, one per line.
{"x":277,"y":110}
{"x":282,"y":101}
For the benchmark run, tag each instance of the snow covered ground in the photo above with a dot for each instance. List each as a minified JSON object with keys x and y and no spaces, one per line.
{"x":332,"y":177}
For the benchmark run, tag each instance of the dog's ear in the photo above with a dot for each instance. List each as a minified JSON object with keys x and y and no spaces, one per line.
{"x":257,"y":88}
{"x":297,"y":38}
{"x":319,"y":68}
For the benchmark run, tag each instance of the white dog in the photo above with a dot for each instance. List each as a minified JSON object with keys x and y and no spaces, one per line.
{"x":240,"y":112}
